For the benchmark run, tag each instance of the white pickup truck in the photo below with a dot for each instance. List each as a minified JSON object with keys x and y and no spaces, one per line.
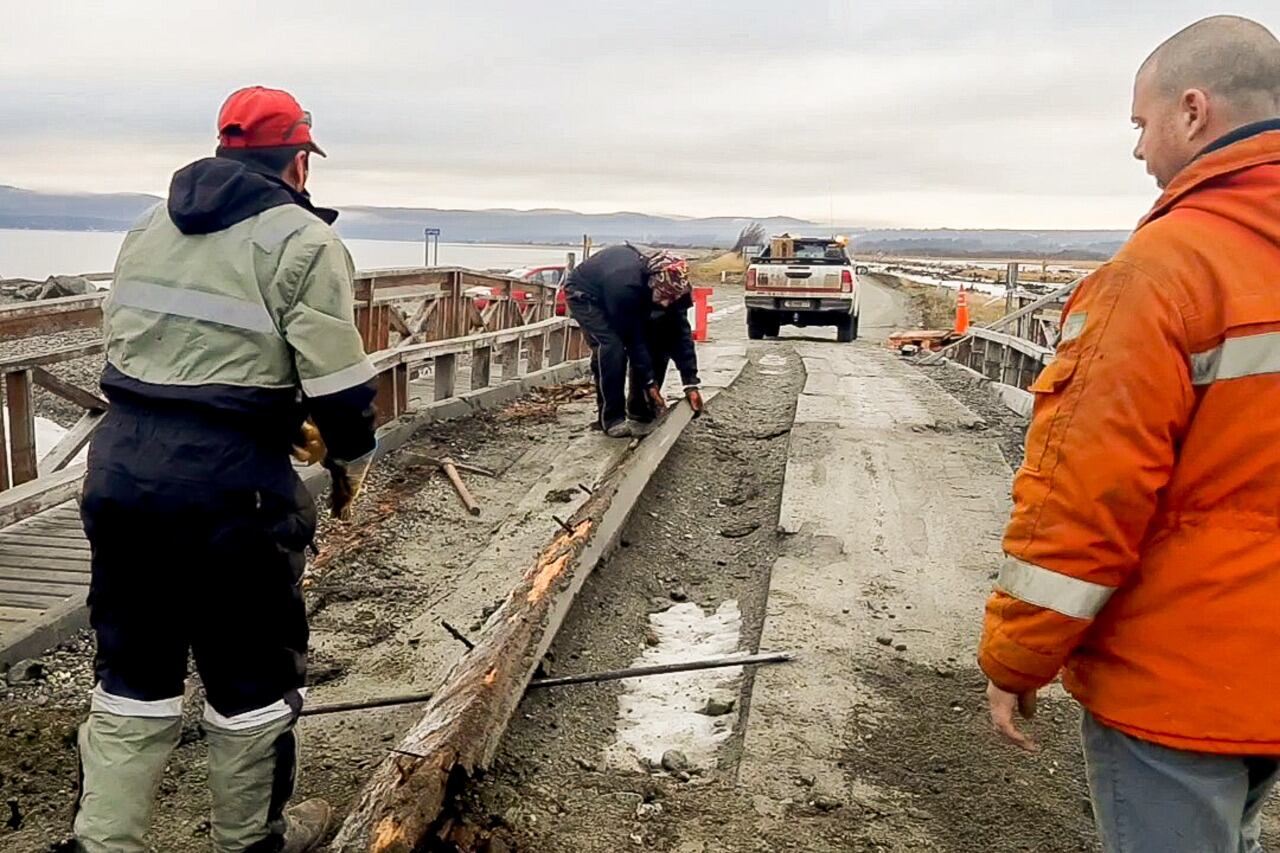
{"x":803,"y":281}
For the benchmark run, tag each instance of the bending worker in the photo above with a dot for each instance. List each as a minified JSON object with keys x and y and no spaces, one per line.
{"x":1144,"y":548}
{"x":230,"y":319}
{"x":668,"y":339}
{"x":611,"y":295}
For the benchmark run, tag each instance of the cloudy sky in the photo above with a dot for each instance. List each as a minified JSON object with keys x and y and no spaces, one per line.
{"x":958,"y":113}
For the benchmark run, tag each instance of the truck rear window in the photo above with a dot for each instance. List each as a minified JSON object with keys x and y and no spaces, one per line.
{"x":819,"y":252}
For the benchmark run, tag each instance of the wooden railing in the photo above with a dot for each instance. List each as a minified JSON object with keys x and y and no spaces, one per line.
{"x":413,"y":322}
{"x":1014,"y":349}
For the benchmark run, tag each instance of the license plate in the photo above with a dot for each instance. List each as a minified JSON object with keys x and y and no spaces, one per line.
{"x":795,"y":303}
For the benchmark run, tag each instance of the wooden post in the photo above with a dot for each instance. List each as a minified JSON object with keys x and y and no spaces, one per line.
{"x":446,"y":376}
{"x":537,"y":347}
{"x":22,"y":426}
{"x":511,"y":360}
{"x":4,"y":453}
{"x":457,"y":327}
{"x":481,"y":367}
{"x":556,"y":340}
{"x":388,"y":398}
{"x":383,"y":338}
{"x":402,"y":388}
{"x":1010,"y":287}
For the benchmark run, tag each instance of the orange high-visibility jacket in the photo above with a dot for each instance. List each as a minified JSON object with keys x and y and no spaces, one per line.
{"x":1143,"y":555}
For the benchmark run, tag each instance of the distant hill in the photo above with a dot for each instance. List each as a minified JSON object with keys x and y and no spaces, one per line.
{"x":70,"y":212}
{"x":25,"y":209}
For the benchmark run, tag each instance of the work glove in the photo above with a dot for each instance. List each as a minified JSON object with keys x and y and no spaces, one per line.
{"x":348,"y":481}
{"x":654,"y":393}
{"x":308,"y":445}
{"x":693,"y":394}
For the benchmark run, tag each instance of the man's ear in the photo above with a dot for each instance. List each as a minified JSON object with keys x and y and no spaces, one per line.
{"x":298,"y":170}
{"x":1194,"y":110}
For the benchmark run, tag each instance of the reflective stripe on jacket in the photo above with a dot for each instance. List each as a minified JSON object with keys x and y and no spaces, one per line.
{"x":1143,"y":554}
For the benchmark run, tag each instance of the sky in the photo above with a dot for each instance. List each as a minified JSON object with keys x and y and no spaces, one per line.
{"x":912,"y":113}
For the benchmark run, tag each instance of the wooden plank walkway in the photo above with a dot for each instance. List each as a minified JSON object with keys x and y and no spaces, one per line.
{"x":44,"y":578}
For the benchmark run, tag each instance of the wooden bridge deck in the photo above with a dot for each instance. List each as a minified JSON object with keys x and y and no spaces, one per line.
{"x":44,"y":578}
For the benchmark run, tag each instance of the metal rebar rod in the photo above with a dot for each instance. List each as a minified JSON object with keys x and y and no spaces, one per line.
{"x":565,"y":680}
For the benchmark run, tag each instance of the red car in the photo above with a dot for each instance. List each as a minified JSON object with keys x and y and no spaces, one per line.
{"x":551,"y":276}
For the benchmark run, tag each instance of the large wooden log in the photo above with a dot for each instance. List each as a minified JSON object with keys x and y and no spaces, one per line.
{"x":463,"y":725}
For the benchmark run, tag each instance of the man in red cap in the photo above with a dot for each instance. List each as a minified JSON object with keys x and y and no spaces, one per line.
{"x":229,"y":324}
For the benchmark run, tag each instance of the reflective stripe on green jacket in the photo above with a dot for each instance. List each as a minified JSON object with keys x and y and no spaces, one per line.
{"x":265,"y":303}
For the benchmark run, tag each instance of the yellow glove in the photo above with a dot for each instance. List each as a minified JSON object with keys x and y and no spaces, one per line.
{"x":348,"y":482}
{"x":308,"y":447}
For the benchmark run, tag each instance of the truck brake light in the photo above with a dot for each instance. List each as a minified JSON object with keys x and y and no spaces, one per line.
{"x":751,"y":279}
{"x":846,"y":281}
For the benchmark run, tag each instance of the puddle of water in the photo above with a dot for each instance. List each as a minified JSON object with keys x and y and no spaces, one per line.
{"x":663,"y":712}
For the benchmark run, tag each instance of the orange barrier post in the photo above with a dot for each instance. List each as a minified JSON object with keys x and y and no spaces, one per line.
{"x":962,"y":312}
{"x":702,"y":312}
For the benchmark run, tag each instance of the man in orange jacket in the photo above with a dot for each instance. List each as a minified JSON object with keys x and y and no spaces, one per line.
{"x":1143,"y":555}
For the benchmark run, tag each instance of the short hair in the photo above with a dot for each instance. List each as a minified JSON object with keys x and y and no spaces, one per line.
{"x":274,"y":160}
{"x":1231,"y":57}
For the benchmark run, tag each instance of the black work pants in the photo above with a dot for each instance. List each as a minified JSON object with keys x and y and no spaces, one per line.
{"x":197,"y":568}
{"x":608,"y":358}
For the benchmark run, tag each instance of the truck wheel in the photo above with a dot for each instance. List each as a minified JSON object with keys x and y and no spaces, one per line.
{"x":755,"y":329}
{"x":856,"y":319}
{"x":847,"y":329}
{"x":770,"y":325}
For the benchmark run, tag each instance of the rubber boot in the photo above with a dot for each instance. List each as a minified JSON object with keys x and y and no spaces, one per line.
{"x":251,"y":776}
{"x":622,"y":429}
{"x":121,"y":762}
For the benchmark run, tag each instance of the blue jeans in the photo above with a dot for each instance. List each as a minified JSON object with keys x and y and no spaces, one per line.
{"x":1152,"y":799}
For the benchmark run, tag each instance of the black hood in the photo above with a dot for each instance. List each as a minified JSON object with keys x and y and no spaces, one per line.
{"x":215,"y":193}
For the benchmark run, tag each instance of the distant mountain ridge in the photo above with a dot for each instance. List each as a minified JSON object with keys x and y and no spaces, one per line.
{"x":26,"y":209}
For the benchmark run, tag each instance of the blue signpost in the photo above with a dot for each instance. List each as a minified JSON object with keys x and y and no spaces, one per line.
{"x":429,"y":234}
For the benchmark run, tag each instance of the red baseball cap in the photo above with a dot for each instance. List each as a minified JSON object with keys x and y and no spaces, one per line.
{"x":258,"y":117}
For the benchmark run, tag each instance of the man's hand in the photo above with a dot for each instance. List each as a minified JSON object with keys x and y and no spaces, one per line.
{"x":654,"y":393}
{"x":347,"y":483}
{"x":308,"y":446}
{"x":1002,"y":703}
{"x":693,"y":394}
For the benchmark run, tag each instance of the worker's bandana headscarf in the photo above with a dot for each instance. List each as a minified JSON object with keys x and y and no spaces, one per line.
{"x":668,"y":277}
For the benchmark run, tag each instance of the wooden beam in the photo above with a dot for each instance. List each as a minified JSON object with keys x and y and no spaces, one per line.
{"x":36,"y":496}
{"x":49,"y":316}
{"x":464,"y":722}
{"x":54,"y":356}
{"x":22,"y":426}
{"x":67,"y":391}
{"x":71,"y":443}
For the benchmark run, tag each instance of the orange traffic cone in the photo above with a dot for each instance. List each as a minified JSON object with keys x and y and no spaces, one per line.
{"x":962,"y":312}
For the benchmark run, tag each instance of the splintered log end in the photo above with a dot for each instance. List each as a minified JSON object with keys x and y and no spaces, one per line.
{"x":389,"y":837}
